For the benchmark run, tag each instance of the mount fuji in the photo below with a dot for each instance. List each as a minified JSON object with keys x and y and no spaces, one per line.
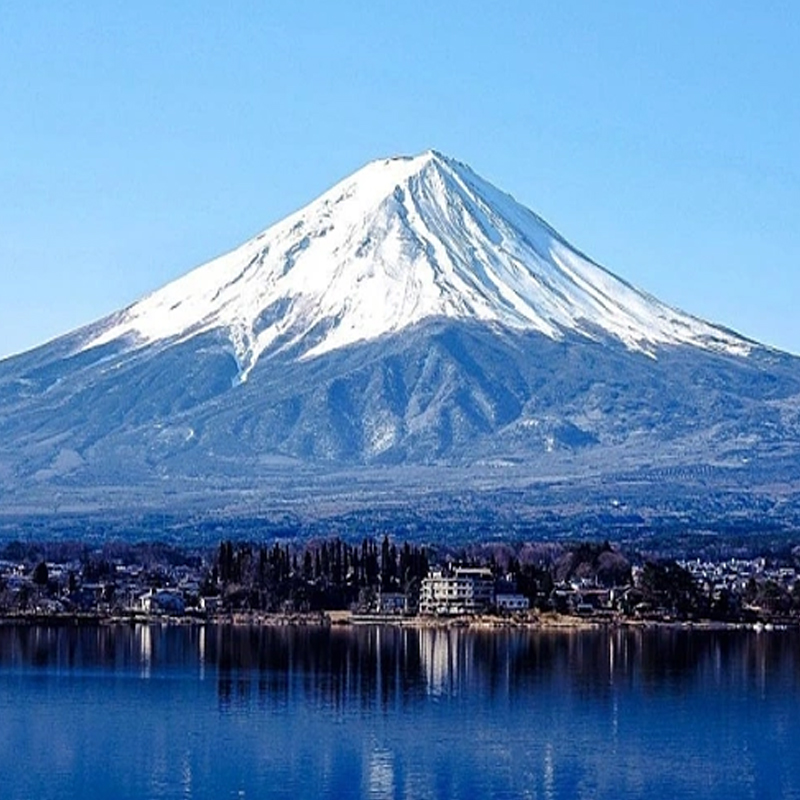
{"x":413,"y":316}
{"x":402,"y":241}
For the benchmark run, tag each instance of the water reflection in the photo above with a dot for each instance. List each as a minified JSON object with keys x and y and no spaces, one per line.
{"x":388,"y":666}
{"x":222,"y":711}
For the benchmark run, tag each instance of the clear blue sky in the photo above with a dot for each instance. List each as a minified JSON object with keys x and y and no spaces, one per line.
{"x":139,"y":139}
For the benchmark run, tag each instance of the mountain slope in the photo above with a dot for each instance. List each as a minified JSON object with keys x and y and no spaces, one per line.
{"x":402,"y":241}
{"x":412,"y":315}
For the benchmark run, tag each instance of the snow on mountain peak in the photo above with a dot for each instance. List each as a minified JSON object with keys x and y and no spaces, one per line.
{"x":402,"y":240}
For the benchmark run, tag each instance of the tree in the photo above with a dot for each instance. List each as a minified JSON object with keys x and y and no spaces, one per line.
{"x":41,"y":574}
{"x":670,"y":585}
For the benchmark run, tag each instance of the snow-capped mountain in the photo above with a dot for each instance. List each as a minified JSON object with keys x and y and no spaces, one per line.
{"x":401,"y":241}
{"x":412,"y":315}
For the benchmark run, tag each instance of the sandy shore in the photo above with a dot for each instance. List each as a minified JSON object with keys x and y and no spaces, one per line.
{"x":341,"y":619}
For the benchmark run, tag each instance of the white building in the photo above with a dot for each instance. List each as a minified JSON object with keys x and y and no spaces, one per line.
{"x":391,"y":603}
{"x":210,"y":604}
{"x":464,"y":590}
{"x":512,"y":602}
{"x":161,"y":601}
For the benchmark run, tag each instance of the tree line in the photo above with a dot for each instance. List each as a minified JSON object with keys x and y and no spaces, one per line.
{"x":332,"y":574}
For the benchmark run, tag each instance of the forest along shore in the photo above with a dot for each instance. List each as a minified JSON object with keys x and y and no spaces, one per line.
{"x":334,"y":582}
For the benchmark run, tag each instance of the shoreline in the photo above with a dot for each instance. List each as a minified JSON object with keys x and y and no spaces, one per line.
{"x":346,"y":619}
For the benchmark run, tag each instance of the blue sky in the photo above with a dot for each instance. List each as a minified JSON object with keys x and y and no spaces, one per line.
{"x":138,"y":140}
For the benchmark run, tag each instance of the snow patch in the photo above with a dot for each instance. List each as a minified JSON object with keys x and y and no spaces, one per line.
{"x":400,"y":241}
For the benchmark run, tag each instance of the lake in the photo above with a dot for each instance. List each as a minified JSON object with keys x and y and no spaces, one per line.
{"x":384,"y":712}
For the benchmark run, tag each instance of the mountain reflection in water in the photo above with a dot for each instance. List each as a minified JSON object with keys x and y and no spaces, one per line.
{"x":398,"y":712}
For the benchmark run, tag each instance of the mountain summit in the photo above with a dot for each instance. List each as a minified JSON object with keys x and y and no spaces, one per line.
{"x":401,"y":241}
{"x":413,"y":315}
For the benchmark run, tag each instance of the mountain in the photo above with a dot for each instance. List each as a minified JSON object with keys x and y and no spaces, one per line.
{"x":403,"y":241}
{"x":412,"y":316}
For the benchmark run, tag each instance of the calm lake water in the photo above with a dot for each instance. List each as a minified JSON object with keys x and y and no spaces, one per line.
{"x":224,"y":712}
